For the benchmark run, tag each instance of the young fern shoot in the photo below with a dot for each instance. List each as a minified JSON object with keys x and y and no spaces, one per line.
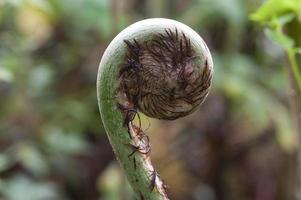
{"x":159,"y":67}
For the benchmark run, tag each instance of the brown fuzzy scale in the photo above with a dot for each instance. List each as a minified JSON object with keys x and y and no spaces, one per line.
{"x":160,"y":77}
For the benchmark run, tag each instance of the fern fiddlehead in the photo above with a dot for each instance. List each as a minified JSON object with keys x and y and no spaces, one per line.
{"x":159,"y":67}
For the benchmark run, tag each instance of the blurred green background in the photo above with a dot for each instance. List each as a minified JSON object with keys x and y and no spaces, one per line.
{"x":238,"y":146}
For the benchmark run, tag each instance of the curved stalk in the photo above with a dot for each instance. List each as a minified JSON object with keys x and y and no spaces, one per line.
{"x":182,"y":57}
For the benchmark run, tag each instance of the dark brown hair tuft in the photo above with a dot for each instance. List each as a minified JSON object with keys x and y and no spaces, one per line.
{"x":163,"y":77}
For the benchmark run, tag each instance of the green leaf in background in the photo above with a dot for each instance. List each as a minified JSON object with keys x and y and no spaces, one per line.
{"x":284,"y":19}
{"x":272,"y":8}
{"x":113,"y":184}
{"x":6,"y":161}
{"x":298,"y":50}
{"x":280,"y":38}
{"x":22,"y":188}
{"x":239,"y":78}
{"x":277,"y":13}
{"x":64,"y":143}
{"x":40,"y":79}
{"x":93,"y":15}
{"x":32,"y":159}
{"x":5,"y":75}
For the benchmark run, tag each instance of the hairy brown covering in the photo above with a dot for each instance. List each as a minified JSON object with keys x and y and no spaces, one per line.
{"x":162,"y":78}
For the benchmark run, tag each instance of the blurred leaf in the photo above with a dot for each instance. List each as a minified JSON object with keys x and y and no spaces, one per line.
{"x":207,"y":11}
{"x":286,"y":136}
{"x":40,"y":79}
{"x":35,"y":17}
{"x":280,"y":38}
{"x":110,"y":182}
{"x":39,"y":4}
{"x":65,"y":143}
{"x":298,"y":50}
{"x":5,"y":75}
{"x":32,"y":159}
{"x":113,"y":184}
{"x":6,"y":161}
{"x":74,"y":114}
{"x":240,"y":80}
{"x":14,"y":2}
{"x":22,"y":188}
{"x":93,"y":15}
{"x":233,"y":10}
{"x":284,"y":19}
{"x":273,"y":8}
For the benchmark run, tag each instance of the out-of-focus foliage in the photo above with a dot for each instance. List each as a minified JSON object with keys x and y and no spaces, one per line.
{"x":276,"y":14}
{"x":238,"y":146}
{"x":273,"y":8}
{"x":49,"y":119}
